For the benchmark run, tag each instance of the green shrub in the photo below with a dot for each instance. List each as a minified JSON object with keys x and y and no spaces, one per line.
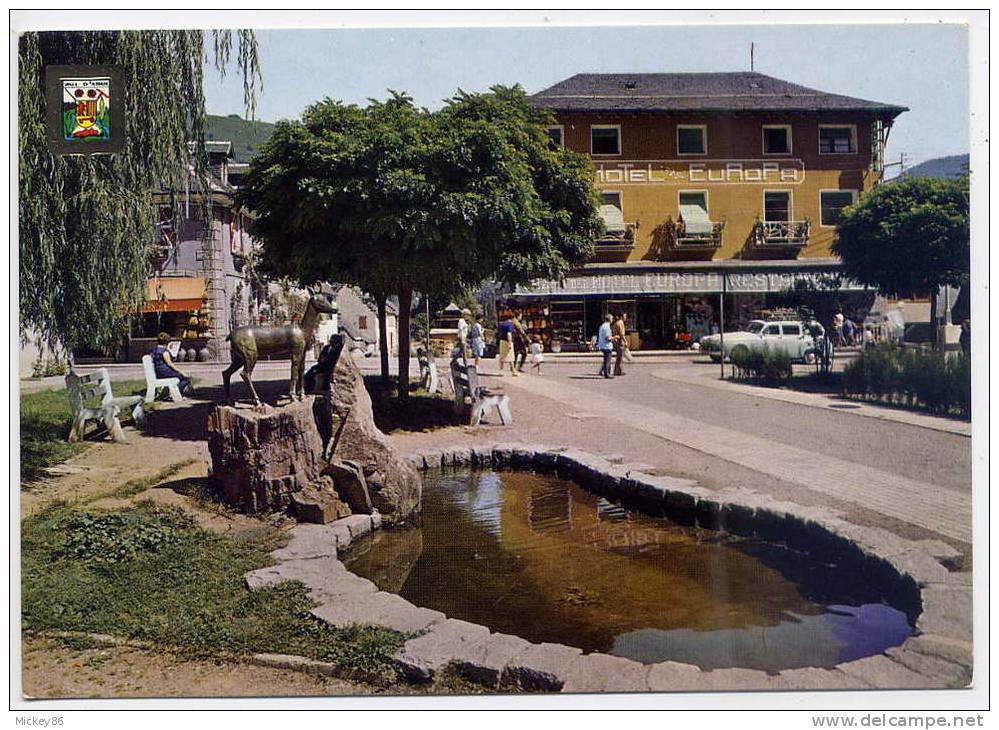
{"x":770,"y":365}
{"x":911,"y":377}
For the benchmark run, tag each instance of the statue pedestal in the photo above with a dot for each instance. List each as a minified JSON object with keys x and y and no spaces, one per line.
{"x":261,"y":456}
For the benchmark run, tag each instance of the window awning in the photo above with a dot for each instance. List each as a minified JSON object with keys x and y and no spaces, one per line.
{"x":696,"y":219}
{"x":613,"y":218}
{"x":175,"y":294}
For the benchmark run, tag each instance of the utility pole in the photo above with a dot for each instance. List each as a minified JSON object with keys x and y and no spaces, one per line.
{"x":752,"y":54}
{"x":900,"y":164}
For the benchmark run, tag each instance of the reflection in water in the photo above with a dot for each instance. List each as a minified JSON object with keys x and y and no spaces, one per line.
{"x":539,"y":557}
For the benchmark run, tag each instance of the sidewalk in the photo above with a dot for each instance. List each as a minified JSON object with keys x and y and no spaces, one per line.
{"x":823,"y":401}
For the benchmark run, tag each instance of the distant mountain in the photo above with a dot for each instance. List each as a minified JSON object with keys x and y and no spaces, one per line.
{"x":941,"y":167}
{"x":245,"y":135}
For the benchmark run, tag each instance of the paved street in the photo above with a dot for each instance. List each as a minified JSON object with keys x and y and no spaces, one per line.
{"x":672,"y":413}
{"x":909,"y":473}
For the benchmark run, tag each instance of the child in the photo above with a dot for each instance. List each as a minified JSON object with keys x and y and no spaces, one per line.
{"x":536,"y":354}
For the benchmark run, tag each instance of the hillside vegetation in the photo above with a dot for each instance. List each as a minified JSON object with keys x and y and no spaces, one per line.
{"x":246,"y":135}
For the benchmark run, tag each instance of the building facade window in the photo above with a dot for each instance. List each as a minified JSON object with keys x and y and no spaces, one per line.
{"x":697,"y":198}
{"x":832,"y":203}
{"x":605,"y":139}
{"x":837,"y":140}
{"x":776,"y":139}
{"x":557,"y":136}
{"x":612,"y":213}
{"x":777,"y":206}
{"x":691,"y":139}
{"x":362,"y":322}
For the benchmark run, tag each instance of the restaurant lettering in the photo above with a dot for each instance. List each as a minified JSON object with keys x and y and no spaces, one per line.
{"x":681,"y":282}
{"x":679,"y":172}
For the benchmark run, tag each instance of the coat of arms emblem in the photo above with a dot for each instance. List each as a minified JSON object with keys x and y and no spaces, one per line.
{"x":86,"y":109}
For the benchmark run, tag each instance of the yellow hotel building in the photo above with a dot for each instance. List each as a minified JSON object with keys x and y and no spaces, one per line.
{"x":709,"y":182}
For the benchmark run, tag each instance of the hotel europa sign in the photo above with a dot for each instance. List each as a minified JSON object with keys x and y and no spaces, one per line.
{"x":681,"y":282}
{"x":686,"y":172}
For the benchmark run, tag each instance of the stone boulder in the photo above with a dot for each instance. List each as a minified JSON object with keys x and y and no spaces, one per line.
{"x":319,"y":503}
{"x":393,"y":483}
{"x":262,"y":455}
{"x":349,"y":482}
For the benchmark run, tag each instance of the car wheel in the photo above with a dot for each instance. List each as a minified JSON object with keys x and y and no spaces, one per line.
{"x":810,"y":357}
{"x":715,"y":357}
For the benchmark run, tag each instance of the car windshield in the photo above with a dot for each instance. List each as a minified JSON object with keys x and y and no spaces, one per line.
{"x":754,"y":327}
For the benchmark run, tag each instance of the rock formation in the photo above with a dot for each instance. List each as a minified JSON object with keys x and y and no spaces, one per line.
{"x":261,"y":456}
{"x":349,"y":482}
{"x":394,"y":485}
{"x":319,"y":503}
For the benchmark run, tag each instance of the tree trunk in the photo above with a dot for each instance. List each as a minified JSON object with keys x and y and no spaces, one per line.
{"x":382,"y":337}
{"x":934,"y":319}
{"x":405,"y":310}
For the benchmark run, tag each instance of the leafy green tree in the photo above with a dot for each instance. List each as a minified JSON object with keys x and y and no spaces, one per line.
{"x":86,"y":223}
{"x":907,"y":237}
{"x":395,"y":199}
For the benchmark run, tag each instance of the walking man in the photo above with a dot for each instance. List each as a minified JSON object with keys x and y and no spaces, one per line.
{"x":520,"y":341}
{"x":605,"y":343}
{"x":619,"y":331}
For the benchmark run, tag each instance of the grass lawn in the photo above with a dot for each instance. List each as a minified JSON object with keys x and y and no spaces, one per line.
{"x":148,"y":572}
{"x":45,"y":422}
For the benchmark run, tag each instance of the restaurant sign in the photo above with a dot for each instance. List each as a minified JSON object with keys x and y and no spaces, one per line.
{"x":682,"y":282}
{"x":686,"y":172}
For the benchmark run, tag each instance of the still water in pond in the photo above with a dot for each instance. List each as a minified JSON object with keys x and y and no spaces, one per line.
{"x":539,"y":557}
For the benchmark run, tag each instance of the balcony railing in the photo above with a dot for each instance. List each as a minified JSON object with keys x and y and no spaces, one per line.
{"x":688,"y":240}
{"x":617,"y":240}
{"x":781,"y":233}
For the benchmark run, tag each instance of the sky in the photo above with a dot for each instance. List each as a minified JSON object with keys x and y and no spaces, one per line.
{"x":921,"y":66}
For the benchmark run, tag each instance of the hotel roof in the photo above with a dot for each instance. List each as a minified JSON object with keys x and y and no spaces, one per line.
{"x":719,"y":92}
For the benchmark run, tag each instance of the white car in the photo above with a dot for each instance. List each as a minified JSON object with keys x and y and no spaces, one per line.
{"x":794,"y":338}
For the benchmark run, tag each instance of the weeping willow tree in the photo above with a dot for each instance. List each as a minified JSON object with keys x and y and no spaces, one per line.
{"x":86,"y":223}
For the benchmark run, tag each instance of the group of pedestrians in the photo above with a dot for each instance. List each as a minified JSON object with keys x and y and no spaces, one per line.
{"x":612,"y":338}
{"x":515,"y":344}
{"x":846,"y":331}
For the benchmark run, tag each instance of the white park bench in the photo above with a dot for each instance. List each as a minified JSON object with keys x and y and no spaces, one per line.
{"x":154,"y":383}
{"x":82,"y":388}
{"x":471,"y":400}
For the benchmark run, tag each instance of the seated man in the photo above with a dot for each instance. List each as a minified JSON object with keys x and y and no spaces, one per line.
{"x":164,"y":365}
{"x":319,"y":375}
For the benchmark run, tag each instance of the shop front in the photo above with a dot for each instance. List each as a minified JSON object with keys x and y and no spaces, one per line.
{"x":178,"y":306}
{"x":666,"y":307}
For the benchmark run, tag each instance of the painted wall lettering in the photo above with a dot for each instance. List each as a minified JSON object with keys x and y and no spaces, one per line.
{"x":680,"y":172}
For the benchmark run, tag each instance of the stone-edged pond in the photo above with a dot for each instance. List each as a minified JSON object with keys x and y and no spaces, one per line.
{"x":537,"y":556}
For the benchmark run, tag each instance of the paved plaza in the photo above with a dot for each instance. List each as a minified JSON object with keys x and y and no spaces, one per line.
{"x":907,"y":471}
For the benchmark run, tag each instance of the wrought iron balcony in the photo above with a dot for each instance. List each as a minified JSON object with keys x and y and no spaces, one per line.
{"x":617,"y":240}
{"x":697,"y":240}
{"x":781,"y":234}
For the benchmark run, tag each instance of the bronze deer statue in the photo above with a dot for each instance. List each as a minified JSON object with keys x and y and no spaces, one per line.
{"x":249,"y":343}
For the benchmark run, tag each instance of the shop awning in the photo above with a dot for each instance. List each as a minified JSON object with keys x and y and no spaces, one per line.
{"x":175,"y":294}
{"x":696,"y":219}
{"x":613,"y":218}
